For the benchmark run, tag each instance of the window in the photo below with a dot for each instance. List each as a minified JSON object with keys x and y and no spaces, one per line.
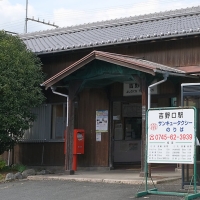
{"x":58,"y":121}
{"x":49,"y":124}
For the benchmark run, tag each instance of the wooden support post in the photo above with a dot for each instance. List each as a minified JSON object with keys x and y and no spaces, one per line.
{"x":73,"y":90}
{"x":111,"y":143}
{"x":143,"y":138}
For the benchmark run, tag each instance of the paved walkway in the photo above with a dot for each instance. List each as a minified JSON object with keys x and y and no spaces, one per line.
{"x":126,"y":176}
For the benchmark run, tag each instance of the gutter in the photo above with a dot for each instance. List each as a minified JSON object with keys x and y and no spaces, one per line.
{"x":149,"y":105}
{"x":182,"y":74}
{"x":150,"y":86}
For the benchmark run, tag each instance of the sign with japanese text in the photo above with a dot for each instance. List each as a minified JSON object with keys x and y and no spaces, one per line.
{"x":171,"y":135}
{"x":102,"y":121}
{"x":133,"y":88}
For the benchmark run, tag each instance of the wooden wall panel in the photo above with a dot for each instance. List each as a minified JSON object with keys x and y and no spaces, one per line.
{"x":117,"y":89}
{"x":54,"y":63}
{"x":96,"y":153}
{"x":175,"y":53}
{"x":31,"y":154}
{"x":167,"y":87}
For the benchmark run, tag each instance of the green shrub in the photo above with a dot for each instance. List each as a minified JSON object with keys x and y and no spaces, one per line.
{"x":19,"y":167}
{"x":2,"y":163}
{"x":15,"y":167}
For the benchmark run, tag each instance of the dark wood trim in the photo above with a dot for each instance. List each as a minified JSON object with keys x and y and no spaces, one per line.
{"x":144,"y":108}
{"x":133,"y":98}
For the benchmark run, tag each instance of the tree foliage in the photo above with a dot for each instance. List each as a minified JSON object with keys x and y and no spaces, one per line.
{"x":20,"y":78}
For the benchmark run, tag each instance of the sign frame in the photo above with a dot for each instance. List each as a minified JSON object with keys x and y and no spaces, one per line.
{"x":147,"y":191}
{"x":171,"y":134}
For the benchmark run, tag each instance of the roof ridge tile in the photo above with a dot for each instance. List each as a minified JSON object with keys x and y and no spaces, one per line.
{"x":115,"y":22}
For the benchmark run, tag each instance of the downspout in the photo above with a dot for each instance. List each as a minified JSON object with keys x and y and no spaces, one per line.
{"x":149,"y":105}
{"x":64,"y":95}
{"x":150,"y":86}
{"x":67,"y":96}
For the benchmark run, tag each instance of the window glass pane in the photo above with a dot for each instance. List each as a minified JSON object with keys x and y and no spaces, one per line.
{"x":41,"y":128}
{"x":58,"y":121}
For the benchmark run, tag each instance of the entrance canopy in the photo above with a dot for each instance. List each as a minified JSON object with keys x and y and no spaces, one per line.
{"x":110,"y":67}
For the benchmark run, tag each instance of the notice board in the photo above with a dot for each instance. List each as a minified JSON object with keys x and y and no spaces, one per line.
{"x":102,"y":121}
{"x":171,"y":135}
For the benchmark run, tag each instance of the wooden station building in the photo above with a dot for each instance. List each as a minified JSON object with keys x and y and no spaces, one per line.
{"x":97,"y":79}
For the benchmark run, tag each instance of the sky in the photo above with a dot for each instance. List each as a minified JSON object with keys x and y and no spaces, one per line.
{"x":65,"y":13}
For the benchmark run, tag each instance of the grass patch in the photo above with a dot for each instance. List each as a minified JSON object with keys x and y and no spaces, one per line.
{"x":2,"y":176}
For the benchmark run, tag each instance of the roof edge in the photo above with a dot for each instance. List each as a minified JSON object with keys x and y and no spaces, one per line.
{"x":125,"y":61}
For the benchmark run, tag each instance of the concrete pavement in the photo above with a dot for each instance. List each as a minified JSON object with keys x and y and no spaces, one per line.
{"x":125,"y":176}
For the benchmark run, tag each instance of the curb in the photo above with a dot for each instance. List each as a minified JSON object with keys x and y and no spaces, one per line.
{"x":97,"y":180}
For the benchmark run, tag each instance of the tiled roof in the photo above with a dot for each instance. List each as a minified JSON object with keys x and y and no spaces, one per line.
{"x":155,"y":26}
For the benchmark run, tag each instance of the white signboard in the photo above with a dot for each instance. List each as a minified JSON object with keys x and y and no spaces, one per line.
{"x":102,"y":121}
{"x":171,"y":136}
{"x":133,"y":88}
{"x":98,"y":137}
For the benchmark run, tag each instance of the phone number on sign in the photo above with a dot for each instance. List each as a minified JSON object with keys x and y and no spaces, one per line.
{"x":170,"y":137}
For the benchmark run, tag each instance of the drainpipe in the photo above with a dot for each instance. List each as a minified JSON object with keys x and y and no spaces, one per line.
{"x":64,"y":95}
{"x":149,"y":105}
{"x":150,"y":86}
{"x":67,"y":119}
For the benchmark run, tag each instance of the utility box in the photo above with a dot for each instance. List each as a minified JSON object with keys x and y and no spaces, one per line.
{"x":79,"y":137}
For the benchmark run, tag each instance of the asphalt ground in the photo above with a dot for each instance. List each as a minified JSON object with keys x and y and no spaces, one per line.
{"x":73,"y":190}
